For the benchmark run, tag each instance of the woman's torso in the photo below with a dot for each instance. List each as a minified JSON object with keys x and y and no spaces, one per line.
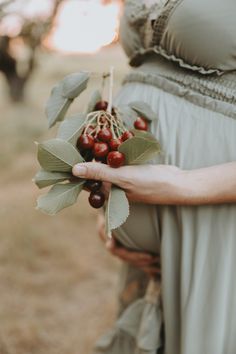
{"x":202,"y":90}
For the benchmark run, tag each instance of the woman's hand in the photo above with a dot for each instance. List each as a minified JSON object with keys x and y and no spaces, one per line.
{"x":146,"y":262}
{"x":153,"y":184}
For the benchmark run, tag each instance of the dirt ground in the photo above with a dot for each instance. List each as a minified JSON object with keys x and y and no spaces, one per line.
{"x":58,"y":284}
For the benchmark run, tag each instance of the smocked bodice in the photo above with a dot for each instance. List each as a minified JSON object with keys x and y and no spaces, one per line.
{"x":197,"y":35}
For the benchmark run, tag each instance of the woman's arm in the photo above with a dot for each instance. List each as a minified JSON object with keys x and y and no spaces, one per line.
{"x":168,"y":185}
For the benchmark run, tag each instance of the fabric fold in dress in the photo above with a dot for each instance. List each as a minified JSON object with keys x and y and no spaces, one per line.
{"x":138,"y":330}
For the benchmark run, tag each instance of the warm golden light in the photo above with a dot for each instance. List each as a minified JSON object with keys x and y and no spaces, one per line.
{"x":84,"y":26}
{"x":12,"y":23}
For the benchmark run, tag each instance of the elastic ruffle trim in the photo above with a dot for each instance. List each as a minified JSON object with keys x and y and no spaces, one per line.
{"x":140,"y":55}
{"x":138,"y":330}
{"x":215,"y":94}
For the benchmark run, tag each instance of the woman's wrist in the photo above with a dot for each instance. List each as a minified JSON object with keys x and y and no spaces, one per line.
{"x":185,"y":187}
{"x":192,"y":187}
{"x":209,"y":185}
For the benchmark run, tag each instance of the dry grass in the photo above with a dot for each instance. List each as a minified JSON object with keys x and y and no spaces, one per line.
{"x":57,"y":283}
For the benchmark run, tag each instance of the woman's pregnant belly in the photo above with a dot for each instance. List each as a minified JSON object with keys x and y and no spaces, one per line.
{"x":140,"y":231}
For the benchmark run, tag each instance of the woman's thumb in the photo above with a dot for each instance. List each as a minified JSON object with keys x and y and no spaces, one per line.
{"x":97,"y":171}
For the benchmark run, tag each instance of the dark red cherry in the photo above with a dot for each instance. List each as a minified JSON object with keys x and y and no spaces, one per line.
{"x":115,"y":159}
{"x":85,"y":142}
{"x":100,"y":149}
{"x":104,"y":134}
{"x":101,"y":106}
{"x":87,"y":155}
{"x":101,"y":159}
{"x":127,"y":135}
{"x":96,"y":199}
{"x":141,"y":124}
{"x":92,"y":185}
{"x":114,"y":144}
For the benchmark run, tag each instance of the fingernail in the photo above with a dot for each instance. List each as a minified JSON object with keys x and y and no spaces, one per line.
{"x":79,"y":171}
{"x":109,"y":244}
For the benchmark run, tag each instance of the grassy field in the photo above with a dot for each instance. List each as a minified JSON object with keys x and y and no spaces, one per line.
{"x":57,"y":283}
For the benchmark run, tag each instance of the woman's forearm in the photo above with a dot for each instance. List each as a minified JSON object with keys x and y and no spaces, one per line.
{"x":166,"y":184}
{"x":210,"y":185}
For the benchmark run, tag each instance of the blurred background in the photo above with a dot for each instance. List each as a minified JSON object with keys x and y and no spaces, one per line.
{"x":58,"y":284}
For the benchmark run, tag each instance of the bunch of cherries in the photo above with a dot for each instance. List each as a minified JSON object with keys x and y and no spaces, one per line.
{"x":104,"y":132}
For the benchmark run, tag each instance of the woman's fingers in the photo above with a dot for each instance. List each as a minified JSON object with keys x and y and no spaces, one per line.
{"x":111,"y":245}
{"x":101,"y":227}
{"x":152,"y":270}
{"x":134,"y":257}
{"x":139,"y":259}
{"x":106,"y":187}
{"x":97,"y":171}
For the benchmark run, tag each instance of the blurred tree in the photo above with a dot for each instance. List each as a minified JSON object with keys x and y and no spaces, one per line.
{"x":32,"y":34}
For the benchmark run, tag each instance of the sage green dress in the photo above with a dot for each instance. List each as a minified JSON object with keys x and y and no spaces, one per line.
{"x":184,"y":52}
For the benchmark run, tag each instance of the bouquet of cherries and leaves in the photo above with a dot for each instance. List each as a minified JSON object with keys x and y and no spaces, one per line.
{"x":99,"y":134}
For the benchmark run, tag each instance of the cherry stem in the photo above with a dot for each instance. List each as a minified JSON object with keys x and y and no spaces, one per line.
{"x":104,"y":119}
{"x":109,"y":108}
{"x":91,"y":117}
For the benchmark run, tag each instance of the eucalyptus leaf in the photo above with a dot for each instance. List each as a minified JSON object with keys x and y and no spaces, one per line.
{"x":127,"y":115}
{"x":74,"y":84}
{"x":71,"y":129}
{"x":44,"y":178}
{"x":117,"y":209}
{"x":59,"y":197}
{"x":94,"y":99}
{"x":57,"y":155}
{"x":144,"y":110}
{"x":139,"y":150}
{"x":57,"y":105}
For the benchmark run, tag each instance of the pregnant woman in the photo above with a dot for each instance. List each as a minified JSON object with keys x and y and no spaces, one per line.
{"x":183,"y":206}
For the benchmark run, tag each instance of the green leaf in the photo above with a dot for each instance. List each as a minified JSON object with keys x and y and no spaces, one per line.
{"x":94,"y":99}
{"x":144,"y":110}
{"x":143,"y":134}
{"x":74,"y":84}
{"x":57,"y":155}
{"x":71,"y":129}
{"x":44,"y":178}
{"x":57,"y":105}
{"x":117,"y":209}
{"x":59,"y":197}
{"x":139,"y":150}
{"x":127,"y":115}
